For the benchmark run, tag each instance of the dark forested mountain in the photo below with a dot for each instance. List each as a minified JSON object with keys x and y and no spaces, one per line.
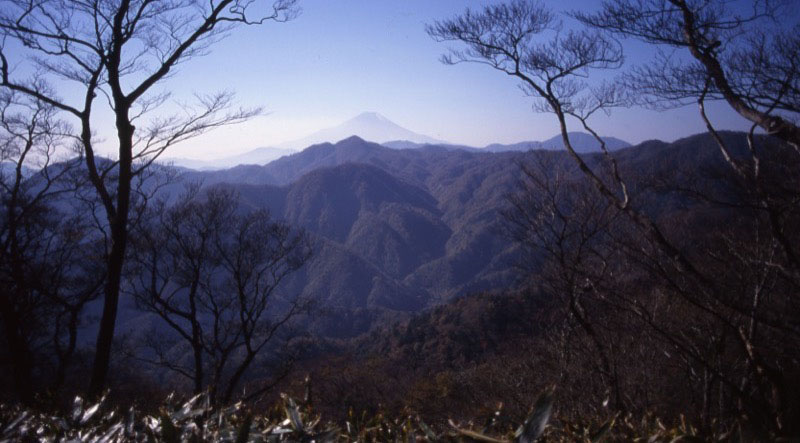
{"x":504,"y":340}
{"x":394,"y":230}
{"x":400,"y":230}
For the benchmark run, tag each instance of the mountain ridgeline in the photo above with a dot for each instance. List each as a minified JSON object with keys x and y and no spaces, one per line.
{"x":399,"y":230}
{"x":377,"y":128}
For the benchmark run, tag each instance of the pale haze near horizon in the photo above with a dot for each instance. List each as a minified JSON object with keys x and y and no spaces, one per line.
{"x":338,"y":59}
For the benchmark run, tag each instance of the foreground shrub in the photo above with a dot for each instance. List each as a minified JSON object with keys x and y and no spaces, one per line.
{"x":197,"y":420}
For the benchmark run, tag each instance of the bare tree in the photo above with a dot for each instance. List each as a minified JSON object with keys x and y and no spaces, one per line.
{"x":210,"y":274}
{"x":46,"y":268}
{"x":562,"y":218}
{"x":552,"y":72}
{"x":712,"y":335}
{"x":120,"y":51}
{"x":745,"y":55}
{"x":616,"y":300}
{"x":734,"y":58}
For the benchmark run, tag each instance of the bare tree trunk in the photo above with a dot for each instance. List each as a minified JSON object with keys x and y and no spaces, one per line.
{"x":118,"y":222}
{"x":105,"y":334}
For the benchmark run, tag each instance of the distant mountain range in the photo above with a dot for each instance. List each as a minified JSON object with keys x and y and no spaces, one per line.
{"x":581,"y":141}
{"x":376,"y":128}
{"x":367,"y":125}
{"x":258,"y":156}
{"x":370,"y":126}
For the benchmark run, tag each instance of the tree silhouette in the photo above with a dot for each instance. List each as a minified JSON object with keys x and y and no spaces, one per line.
{"x":210,"y":274}
{"x":47,"y":268}
{"x":116,"y":53}
{"x":725,"y":328}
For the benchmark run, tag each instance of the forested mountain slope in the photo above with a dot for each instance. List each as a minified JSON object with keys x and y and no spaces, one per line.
{"x":401,"y":230}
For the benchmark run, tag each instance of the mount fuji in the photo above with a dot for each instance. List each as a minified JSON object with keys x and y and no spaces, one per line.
{"x":370,"y":126}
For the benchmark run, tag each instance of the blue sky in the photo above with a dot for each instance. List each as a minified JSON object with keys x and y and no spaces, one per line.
{"x":342,"y":57}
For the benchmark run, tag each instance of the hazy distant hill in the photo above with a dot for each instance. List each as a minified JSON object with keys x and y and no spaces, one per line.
{"x":8,"y":168}
{"x":258,"y":156}
{"x":405,"y":144}
{"x":582,"y":142}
